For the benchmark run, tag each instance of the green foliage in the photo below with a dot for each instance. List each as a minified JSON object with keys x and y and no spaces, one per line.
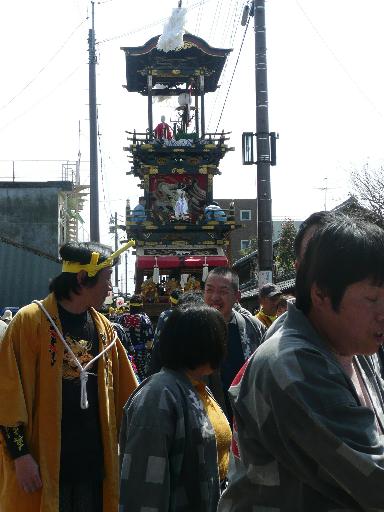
{"x":285,"y":254}
{"x":251,"y":247}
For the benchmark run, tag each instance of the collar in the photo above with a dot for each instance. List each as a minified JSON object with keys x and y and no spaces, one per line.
{"x":271,"y":317}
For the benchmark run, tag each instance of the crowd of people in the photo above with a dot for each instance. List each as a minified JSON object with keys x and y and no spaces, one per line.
{"x":212,"y":409}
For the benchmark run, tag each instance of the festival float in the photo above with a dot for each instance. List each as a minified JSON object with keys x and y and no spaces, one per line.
{"x":180,"y":233}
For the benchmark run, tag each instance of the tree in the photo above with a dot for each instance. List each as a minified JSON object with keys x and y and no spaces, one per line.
{"x":368,"y":186}
{"x":252,"y":246}
{"x":285,"y":254}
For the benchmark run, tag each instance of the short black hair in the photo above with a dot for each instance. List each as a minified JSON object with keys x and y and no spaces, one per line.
{"x":226,"y":272}
{"x":175,"y":295}
{"x":80,"y":252}
{"x":342,"y":252}
{"x":136,"y":299}
{"x":188,"y":299}
{"x":193,"y":336}
{"x":315,"y":219}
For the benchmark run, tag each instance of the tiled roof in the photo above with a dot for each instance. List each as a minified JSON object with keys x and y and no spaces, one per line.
{"x":253,"y":292}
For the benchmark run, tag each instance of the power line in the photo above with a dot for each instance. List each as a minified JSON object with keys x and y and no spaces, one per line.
{"x":214,"y":20}
{"x":43,"y":68}
{"x":105,"y":202}
{"x":150,"y":25}
{"x":231,"y":15}
{"x":41,"y":99}
{"x":198,"y":19}
{"x":233,"y":74}
{"x":345,"y":70}
{"x":224,"y":80}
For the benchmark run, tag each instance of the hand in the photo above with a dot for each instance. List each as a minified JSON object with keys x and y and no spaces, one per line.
{"x":149,"y":345}
{"x":27,"y":473}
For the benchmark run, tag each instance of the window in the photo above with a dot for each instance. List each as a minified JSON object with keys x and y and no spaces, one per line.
{"x":245,"y":214}
{"x":244,"y":244}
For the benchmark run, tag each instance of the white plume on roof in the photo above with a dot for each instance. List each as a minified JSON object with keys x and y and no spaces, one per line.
{"x":172,"y":36}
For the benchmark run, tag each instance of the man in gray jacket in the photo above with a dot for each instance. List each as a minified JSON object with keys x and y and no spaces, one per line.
{"x":245,"y":332}
{"x":309,"y":412}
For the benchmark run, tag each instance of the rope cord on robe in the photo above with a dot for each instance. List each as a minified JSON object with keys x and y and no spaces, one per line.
{"x":83,"y":370}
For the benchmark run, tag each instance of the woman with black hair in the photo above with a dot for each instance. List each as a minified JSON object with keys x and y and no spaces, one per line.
{"x":175,"y":439}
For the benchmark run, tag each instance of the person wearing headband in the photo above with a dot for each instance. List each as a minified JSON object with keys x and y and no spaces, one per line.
{"x":64,"y":380}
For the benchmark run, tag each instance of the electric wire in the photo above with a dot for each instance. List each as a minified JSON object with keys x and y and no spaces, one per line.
{"x":214,"y":22}
{"x":41,"y":99}
{"x":218,"y":21}
{"x":231,"y":15}
{"x":224,"y":79}
{"x":344,"y":69}
{"x":233,"y":74}
{"x":44,"y":67}
{"x":237,"y":23}
{"x":198,"y":20}
{"x":150,"y":25}
{"x":106,"y":202}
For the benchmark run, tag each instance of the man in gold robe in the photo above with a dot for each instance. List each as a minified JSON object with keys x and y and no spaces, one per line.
{"x":64,"y":379}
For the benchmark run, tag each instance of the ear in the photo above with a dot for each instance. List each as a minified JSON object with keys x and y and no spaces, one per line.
{"x":318,"y":296}
{"x":81,"y":277}
{"x":238,"y":295}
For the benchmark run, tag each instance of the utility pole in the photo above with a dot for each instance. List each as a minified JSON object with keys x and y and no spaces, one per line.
{"x":264,"y":201}
{"x":93,"y":171}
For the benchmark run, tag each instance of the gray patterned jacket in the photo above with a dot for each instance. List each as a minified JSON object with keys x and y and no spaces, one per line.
{"x":251,"y":332}
{"x":305,"y":442}
{"x":167,"y":449}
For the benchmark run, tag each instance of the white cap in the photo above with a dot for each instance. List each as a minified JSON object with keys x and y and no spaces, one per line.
{"x":7,"y":315}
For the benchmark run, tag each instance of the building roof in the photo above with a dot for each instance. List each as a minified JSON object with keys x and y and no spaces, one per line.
{"x":63,"y":185}
{"x":283,"y":285}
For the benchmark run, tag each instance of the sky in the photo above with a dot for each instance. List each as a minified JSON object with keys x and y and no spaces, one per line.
{"x":325,"y":88}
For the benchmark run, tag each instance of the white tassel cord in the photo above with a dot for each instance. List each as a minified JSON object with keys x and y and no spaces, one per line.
{"x":83,"y":371}
{"x":172,"y":36}
{"x":156,"y":272}
{"x":205,"y":271}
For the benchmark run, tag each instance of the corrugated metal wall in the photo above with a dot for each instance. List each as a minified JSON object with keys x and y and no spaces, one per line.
{"x":24,"y":275}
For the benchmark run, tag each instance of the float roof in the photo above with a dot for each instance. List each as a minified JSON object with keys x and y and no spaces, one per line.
{"x":174,"y":68}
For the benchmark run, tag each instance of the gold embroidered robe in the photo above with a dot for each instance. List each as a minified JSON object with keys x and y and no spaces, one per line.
{"x":31,"y":361}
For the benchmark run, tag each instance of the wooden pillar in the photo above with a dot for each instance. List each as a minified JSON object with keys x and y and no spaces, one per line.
{"x":150,"y":113}
{"x":202,"y":109}
{"x":197,"y":128}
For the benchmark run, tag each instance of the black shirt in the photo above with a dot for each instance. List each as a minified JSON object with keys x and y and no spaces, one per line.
{"x":232,"y":363}
{"x":234,"y":359}
{"x":81,"y":441}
